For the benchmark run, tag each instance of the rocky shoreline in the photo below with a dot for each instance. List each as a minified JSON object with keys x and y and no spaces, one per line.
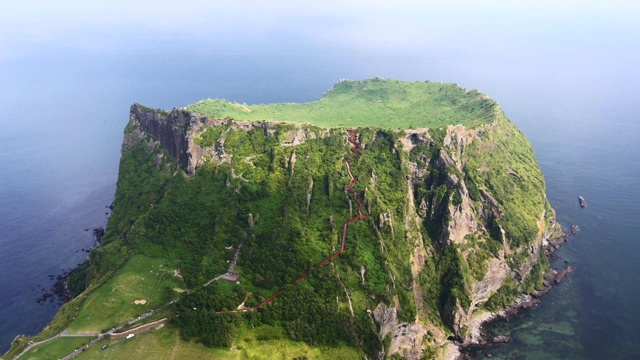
{"x":479,"y":338}
{"x":59,"y":291}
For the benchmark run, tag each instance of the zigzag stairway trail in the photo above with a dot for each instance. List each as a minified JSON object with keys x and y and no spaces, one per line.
{"x":355,"y":149}
{"x":459,"y":194}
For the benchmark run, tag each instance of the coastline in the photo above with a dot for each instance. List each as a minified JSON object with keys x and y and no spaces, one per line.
{"x":478,"y":337}
{"x":60,"y":292}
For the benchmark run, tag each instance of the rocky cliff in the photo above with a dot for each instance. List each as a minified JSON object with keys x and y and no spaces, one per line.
{"x":178,"y":132}
{"x":470,"y":212}
{"x":452,"y":224}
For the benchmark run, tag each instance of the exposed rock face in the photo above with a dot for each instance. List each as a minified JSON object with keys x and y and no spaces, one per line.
{"x":456,"y":219}
{"x":562,"y":275}
{"x":297,"y":137}
{"x":497,"y":272}
{"x":501,"y":339}
{"x":450,"y":193}
{"x":177,"y":130}
{"x":405,"y":337}
{"x":170,"y":130}
{"x":464,"y":218}
{"x":387,"y":318}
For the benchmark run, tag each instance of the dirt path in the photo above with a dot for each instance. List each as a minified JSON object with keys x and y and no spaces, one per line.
{"x":64,"y":333}
{"x":355,"y":149}
{"x":34,"y":344}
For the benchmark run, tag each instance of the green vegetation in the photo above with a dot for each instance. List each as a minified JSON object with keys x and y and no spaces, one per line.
{"x":66,"y":314}
{"x":505,"y":166}
{"x":286,"y":206}
{"x":142,"y":278}
{"x":507,"y":294}
{"x":77,"y":282}
{"x":56,"y":349}
{"x":167,"y":344}
{"x":444,"y":280}
{"x":301,"y":313}
{"x":388,"y":104}
{"x":535,"y":280}
{"x":209,"y":137}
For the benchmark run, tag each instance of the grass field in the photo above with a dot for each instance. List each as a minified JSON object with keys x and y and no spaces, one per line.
{"x":56,"y":349}
{"x":141,"y":278}
{"x":388,"y":104}
{"x":166,"y":344}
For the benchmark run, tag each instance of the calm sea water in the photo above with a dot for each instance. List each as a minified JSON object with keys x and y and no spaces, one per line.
{"x":589,"y":148}
{"x":64,"y":108}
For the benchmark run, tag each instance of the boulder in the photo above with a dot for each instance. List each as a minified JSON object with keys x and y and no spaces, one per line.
{"x":501,"y":339}
{"x":563,"y":275}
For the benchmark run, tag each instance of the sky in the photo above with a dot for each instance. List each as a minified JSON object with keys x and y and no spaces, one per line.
{"x":497,"y":40}
{"x":407,"y":26}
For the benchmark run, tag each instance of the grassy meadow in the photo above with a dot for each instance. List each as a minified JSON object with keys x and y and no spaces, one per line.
{"x":141,"y":278}
{"x":56,"y":349}
{"x":165,"y":343}
{"x":388,"y":104}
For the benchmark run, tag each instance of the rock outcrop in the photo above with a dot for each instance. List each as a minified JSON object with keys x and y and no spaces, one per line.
{"x":475,"y":204}
{"x":456,"y":226}
{"x":466,"y":219}
{"x":177,"y":132}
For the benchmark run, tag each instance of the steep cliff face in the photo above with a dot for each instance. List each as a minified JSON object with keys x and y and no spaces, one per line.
{"x":179,"y":130}
{"x":456,"y":219}
{"x":465,"y":187}
{"x":169,"y":129}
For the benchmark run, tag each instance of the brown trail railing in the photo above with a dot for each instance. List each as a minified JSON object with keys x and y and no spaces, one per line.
{"x":355,"y":149}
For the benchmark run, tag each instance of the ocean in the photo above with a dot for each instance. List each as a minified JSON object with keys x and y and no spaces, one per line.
{"x":586,"y":146}
{"x":64,"y":107}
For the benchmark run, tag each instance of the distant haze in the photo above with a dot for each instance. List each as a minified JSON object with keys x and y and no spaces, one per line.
{"x":566,"y":72}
